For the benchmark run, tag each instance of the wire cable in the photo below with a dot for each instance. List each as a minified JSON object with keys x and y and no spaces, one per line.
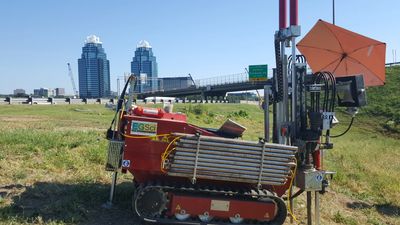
{"x":348,"y":128}
{"x":290,"y":192}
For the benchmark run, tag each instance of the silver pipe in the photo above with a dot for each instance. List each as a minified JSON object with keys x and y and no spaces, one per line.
{"x":205,"y":154}
{"x":266,"y":173}
{"x":210,"y":154}
{"x":235,"y":141}
{"x":316,"y":209}
{"x":228,"y":162}
{"x":267,"y":90}
{"x":272,"y":154}
{"x":242,"y":143}
{"x":253,"y":176}
{"x":255,"y":149}
{"x":284,"y":104}
{"x":217,"y":174}
{"x":112,"y":189}
{"x":227,"y":168}
{"x":294,"y":87}
{"x":223,"y":147}
{"x":201,"y":176}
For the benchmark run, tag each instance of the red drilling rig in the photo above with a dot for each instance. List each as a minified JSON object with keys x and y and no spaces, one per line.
{"x":186,"y":174}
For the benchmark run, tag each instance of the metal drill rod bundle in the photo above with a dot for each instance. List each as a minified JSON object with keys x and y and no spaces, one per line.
{"x":235,"y":141}
{"x":236,"y":148}
{"x":234,"y":160}
{"x":232,"y":156}
{"x":208,"y":158}
{"x":276,"y":174}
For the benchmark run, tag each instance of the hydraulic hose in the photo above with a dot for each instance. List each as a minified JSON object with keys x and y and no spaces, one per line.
{"x":348,"y":128}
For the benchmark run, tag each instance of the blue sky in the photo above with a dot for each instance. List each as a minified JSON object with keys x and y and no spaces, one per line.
{"x":204,"y":37}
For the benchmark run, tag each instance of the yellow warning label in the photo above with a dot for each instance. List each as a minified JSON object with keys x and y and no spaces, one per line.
{"x":178,"y":208}
{"x":266,"y":215}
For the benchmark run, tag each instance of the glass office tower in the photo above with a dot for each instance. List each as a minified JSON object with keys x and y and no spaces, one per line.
{"x":144,"y":66}
{"x":94,"y":70}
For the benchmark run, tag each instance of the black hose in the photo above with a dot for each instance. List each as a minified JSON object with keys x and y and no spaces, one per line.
{"x":122,"y":96}
{"x":120,"y":102}
{"x":348,"y":128}
{"x":295,"y":195}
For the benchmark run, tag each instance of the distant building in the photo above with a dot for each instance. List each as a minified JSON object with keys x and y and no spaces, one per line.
{"x":144,"y":66}
{"x":59,"y":92}
{"x":94,"y":70}
{"x":41,"y":92}
{"x":113,"y":94}
{"x":173,"y":83}
{"x":19,"y":92}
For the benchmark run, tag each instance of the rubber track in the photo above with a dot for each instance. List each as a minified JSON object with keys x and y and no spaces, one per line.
{"x":243,"y":193}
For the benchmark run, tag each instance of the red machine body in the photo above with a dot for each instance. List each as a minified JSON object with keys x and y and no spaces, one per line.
{"x":148,"y":133}
{"x":144,"y":154}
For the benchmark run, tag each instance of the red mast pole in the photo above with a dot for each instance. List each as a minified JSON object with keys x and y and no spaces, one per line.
{"x":294,"y":12}
{"x":282,"y":14}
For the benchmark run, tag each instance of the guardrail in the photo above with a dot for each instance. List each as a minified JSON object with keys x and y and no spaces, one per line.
{"x":53,"y":101}
{"x":222,"y":80}
{"x":392,"y":64}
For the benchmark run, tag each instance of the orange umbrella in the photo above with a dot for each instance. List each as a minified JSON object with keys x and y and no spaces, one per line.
{"x":344,"y":53}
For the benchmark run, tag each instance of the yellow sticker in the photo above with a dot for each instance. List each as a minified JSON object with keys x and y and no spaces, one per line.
{"x":178,"y":208}
{"x":266,"y":215}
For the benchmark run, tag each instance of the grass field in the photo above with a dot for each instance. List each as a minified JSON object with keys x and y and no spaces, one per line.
{"x":52,"y":163}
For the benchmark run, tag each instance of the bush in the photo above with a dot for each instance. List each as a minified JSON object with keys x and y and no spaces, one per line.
{"x":198,"y":109}
{"x":240,"y":113}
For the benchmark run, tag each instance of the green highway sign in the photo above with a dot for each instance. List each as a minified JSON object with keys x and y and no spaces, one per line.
{"x":258,"y":72}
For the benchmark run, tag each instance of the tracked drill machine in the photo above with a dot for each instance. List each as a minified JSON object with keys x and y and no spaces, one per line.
{"x":186,"y":174}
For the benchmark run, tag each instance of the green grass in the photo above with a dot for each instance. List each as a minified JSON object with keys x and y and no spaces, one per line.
{"x":52,"y":161}
{"x":384,"y":103}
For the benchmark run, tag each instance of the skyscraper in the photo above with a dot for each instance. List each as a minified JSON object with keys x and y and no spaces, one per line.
{"x":94,"y":70}
{"x":144,"y":66}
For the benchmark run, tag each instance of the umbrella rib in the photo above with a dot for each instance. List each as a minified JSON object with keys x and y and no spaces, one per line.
{"x":329,"y":50}
{"x":355,"y":50}
{"x":331,"y":64}
{"x":358,"y":62}
{"x":337,"y":39}
{"x":337,"y":66}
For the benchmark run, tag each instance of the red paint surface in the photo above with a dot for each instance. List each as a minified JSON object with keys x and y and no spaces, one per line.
{"x":145,"y":153}
{"x":282,"y":14}
{"x":195,"y":205}
{"x":317,"y":159}
{"x":294,"y":12}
